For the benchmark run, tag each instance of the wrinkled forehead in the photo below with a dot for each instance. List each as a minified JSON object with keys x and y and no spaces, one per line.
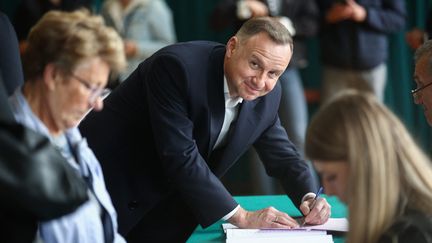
{"x":423,"y":69}
{"x":263,"y":45}
{"x":424,"y":63}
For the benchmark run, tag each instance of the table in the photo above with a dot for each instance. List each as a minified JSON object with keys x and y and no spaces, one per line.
{"x":214,"y":233}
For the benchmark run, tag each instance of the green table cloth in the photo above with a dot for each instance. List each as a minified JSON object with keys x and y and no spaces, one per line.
{"x":214,"y":233}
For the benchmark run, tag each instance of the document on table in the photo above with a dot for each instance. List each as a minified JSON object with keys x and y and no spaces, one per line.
{"x":265,"y":233}
{"x":306,"y":234}
{"x":276,"y":236}
{"x":296,"y":239}
{"x":333,"y":224}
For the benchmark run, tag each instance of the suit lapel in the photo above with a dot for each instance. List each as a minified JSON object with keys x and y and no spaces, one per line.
{"x":243,"y":128}
{"x":215,"y":92}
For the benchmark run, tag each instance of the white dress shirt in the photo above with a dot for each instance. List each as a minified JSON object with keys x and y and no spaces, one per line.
{"x":231,"y":113}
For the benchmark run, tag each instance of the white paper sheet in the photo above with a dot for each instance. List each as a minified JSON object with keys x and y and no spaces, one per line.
{"x":296,"y":239}
{"x":333,"y":224}
{"x":265,"y":233}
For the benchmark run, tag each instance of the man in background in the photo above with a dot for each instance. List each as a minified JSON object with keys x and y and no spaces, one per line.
{"x":423,"y":77}
{"x":354,"y":43}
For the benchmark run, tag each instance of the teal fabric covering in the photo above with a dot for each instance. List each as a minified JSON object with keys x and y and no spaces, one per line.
{"x":214,"y":233}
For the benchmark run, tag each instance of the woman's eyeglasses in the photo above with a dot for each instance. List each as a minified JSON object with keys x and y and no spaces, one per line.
{"x":95,"y":92}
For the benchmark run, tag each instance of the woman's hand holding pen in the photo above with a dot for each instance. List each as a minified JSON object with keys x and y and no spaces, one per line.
{"x":315,"y":209}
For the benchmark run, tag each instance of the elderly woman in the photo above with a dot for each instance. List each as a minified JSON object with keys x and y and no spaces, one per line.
{"x":367,"y":158}
{"x":66,"y":65}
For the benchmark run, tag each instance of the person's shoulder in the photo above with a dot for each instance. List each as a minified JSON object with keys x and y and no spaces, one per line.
{"x":413,"y":227}
{"x":198,"y":43}
{"x":5,"y":24}
{"x":189,"y":48}
{"x":197,"y":54}
{"x":3,"y":16}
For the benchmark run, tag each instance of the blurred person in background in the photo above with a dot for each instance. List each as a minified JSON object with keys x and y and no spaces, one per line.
{"x":145,"y":26}
{"x":66,"y":66}
{"x":29,"y":12}
{"x":354,"y":43}
{"x":417,"y":36}
{"x":367,"y":158}
{"x":422,"y":94}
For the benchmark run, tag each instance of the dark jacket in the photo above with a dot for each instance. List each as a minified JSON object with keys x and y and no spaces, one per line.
{"x":413,"y":227}
{"x":360,"y":46}
{"x":156,"y":133}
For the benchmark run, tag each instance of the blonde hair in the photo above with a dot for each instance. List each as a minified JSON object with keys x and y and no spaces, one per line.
{"x":68,"y":38}
{"x":388,"y":172}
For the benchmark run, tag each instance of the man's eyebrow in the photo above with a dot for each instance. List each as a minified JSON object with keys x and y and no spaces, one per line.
{"x":278,"y":71}
{"x":257,"y":59}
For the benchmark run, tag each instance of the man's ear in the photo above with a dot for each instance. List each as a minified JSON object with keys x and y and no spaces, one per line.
{"x":50,"y":76}
{"x":231,"y":46}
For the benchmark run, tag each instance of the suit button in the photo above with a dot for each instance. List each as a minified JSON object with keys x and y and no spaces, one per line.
{"x":132,"y":205}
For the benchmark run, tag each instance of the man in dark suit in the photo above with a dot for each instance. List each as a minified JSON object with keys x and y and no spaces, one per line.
{"x":169,"y":132}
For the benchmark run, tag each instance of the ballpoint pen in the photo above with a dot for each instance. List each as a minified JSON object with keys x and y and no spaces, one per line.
{"x":317,"y":195}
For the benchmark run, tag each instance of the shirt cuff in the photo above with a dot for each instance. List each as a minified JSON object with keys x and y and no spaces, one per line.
{"x":229,"y":215}
{"x":307,"y":196}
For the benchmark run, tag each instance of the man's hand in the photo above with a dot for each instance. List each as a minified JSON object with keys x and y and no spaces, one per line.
{"x":316,"y":211}
{"x":257,"y":8}
{"x":338,"y":12}
{"x":415,"y":38}
{"x":358,"y":12}
{"x":350,"y":10}
{"x":130,"y":47}
{"x":264,"y":218}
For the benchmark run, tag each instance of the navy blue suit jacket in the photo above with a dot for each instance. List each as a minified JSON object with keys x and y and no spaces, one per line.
{"x":155,"y":135}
